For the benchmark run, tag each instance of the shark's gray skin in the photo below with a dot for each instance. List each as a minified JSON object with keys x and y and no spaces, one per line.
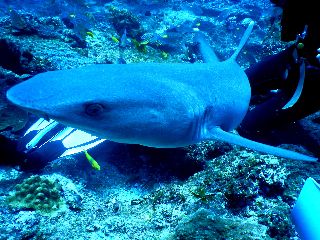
{"x":156,"y":105}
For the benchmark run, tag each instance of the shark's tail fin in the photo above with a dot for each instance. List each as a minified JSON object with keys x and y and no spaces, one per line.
{"x":243,"y":41}
{"x":218,"y":133}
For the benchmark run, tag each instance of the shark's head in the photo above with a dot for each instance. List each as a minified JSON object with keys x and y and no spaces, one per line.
{"x":101,"y":100}
{"x":51,"y":94}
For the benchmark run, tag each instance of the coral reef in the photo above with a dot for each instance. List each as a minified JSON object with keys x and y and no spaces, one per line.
{"x":13,"y":57}
{"x":123,"y":19}
{"x":37,"y":193}
{"x":204,"y":224}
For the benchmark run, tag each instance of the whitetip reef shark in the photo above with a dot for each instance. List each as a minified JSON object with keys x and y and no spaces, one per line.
{"x":162,"y":105}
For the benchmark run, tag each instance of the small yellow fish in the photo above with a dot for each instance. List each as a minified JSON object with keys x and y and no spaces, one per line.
{"x":116,"y":40}
{"x":144,"y":42}
{"x":91,"y":160}
{"x":300,"y":45}
{"x":90,"y":34}
{"x":164,"y":55}
{"x":141,"y":46}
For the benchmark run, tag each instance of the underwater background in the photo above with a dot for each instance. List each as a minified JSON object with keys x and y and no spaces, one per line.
{"x":211,"y":190}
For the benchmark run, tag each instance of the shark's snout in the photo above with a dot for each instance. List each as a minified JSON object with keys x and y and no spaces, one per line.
{"x":23,"y":97}
{"x":16,"y":96}
{"x":20,"y":99}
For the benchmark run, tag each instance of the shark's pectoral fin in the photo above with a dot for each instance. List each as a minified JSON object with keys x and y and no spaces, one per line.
{"x":218,"y":133}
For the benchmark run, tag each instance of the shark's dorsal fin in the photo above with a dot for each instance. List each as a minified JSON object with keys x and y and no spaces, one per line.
{"x":243,"y":41}
{"x":205,"y":49}
{"x":218,"y":133}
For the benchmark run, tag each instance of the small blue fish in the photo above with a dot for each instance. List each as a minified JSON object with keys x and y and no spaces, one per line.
{"x":124,"y":39}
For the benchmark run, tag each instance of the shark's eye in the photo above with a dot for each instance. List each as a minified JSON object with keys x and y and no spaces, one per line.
{"x":94,"y":109}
